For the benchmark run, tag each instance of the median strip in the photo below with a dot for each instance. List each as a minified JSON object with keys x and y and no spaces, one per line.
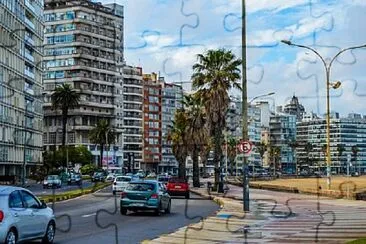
{"x":73,"y":193}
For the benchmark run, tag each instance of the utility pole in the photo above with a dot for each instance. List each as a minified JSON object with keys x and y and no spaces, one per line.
{"x":244,"y":109}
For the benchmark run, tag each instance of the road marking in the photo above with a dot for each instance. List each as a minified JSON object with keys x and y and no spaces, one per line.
{"x":88,"y":215}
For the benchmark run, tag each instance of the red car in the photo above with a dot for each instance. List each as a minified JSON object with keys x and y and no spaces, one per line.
{"x":178,"y":187}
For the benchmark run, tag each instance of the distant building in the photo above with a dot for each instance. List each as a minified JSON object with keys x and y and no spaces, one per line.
{"x":172,"y":97}
{"x":345,"y":132}
{"x":295,"y":108}
{"x":152,"y":153}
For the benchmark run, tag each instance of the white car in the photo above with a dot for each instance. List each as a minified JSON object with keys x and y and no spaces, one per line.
{"x":110,"y":177}
{"x":23,"y":217}
{"x":120,"y":183}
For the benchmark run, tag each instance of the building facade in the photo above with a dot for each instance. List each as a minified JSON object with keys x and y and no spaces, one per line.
{"x":152,"y":154}
{"x":282,"y":134}
{"x":21,"y":114}
{"x":172,"y":97}
{"x":348,"y":133}
{"x":295,"y":108}
{"x":132,"y":117}
{"x":84,"y":48}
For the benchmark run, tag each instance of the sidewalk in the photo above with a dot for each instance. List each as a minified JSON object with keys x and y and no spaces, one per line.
{"x":275,"y":217}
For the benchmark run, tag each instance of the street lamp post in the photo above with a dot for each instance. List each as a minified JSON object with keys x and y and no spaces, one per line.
{"x":329,"y":84}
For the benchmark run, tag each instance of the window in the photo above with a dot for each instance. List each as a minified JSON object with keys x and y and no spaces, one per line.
{"x":15,"y":200}
{"x":29,"y":200}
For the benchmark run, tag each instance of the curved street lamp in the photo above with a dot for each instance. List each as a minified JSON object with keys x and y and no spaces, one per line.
{"x":334,"y":85}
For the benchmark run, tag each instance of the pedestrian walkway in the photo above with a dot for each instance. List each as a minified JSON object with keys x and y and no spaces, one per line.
{"x":275,"y":217}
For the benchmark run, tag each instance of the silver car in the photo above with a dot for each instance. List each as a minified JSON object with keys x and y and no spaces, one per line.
{"x":23,"y":217}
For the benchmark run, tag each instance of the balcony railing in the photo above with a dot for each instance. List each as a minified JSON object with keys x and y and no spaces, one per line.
{"x":29,"y":40}
{"x":29,"y":73}
{"x":29,"y":23}
{"x":29,"y":56}
{"x":30,"y":6}
{"x":29,"y":91}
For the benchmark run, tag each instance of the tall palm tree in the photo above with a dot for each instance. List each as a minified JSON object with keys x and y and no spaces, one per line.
{"x":64,"y":98}
{"x":215,"y":73}
{"x":178,"y":137}
{"x":99,"y":134}
{"x":340,"y":150}
{"x":355,"y":151}
{"x":196,"y":131}
{"x":261,"y":148}
{"x":274,"y":154}
{"x":232,"y":151}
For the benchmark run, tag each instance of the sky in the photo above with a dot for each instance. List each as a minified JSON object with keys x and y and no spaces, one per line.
{"x":164,"y":36}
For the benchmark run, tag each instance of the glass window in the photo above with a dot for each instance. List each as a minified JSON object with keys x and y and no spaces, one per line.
{"x":29,"y":200}
{"x":140,"y":187}
{"x":15,"y":200}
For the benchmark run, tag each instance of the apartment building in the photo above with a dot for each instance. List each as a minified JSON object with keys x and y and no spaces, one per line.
{"x":84,"y":48}
{"x":132,"y":117}
{"x":346,"y":132}
{"x":172,"y":97}
{"x":21,"y":28}
{"x":152,"y":155}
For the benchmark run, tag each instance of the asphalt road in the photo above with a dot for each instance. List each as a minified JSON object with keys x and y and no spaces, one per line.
{"x":38,"y":190}
{"x":95,"y":218}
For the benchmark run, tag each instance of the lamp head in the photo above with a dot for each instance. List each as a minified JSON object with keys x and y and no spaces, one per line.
{"x":336,"y":85}
{"x":286,"y":42}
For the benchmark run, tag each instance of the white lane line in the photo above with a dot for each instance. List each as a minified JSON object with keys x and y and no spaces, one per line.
{"x":88,"y":215}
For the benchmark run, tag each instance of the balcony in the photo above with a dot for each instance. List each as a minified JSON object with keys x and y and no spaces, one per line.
{"x":29,"y":40}
{"x":29,"y":91}
{"x":29,"y":56}
{"x":29,"y":73}
{"x":29,"y":23}
{"x":29,"y":5}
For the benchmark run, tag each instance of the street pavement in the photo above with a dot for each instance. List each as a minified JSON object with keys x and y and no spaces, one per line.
{"x":275,"y":217}
{"x":38,"y":190}
{"x":77,"y":220}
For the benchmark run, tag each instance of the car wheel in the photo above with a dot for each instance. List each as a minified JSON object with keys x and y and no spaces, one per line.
{"x":158,"y":210}
{"x":11,"y":237}
{"x":187,"y":195}
{"x":123,"y":211}
{"x":169,"y":207}
{"x":50,"y":233}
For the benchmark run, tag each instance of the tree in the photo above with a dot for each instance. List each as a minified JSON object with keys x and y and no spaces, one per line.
{"x":232,"y":151}
{"x":293,"y":144}
{"x":215,"y":73}
{"x":178,"y":137}
{"x":308,"y":148}
{"x":80,"y":154}
{"x":205,"y":152}
{"x":355,"y":151}
{"x":64,"y":98}
{"x":340,"y":150}
{"x":98,"y":135}
{"x":195,"y":131}
{"x":275,"y":155}
{"x":261,"y":148}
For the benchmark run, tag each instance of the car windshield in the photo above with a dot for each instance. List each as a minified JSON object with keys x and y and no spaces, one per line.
{"x":140,"y":187}
{"x":123,"y":179}
{"x":52,"y":177}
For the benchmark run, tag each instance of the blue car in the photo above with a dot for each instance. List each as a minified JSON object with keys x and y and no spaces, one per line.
{"x":145,"y":195}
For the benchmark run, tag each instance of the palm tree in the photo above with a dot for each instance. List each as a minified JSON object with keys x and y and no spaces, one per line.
{"x":261,"y":148}
{"x":178,"y":137}
{"x":196,"y":131}
{"x":232,"y":151}
{"x":340,"y":150}
{"x":215,"y":73}
{"x":355,"y":151}
{"x":64,"y":98}
{"x":274,"y":154}
{"x":99,"y":134}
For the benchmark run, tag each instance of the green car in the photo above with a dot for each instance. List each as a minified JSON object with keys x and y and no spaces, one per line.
{"x":145,"y":195}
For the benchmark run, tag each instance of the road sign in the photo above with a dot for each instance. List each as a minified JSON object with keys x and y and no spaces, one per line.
{"x":245,"y":147}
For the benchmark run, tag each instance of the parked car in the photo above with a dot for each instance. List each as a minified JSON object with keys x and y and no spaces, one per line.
{"x":52,"y":181}
{"x":163,"y":179}
{"x":98,"y":176}
{"x":178,"y":187}
{"x":75,"y":179}
{"x":145,"y":195}
{"x":23,"y":217}
{"x":120,"y":183}
{"x":110,"y":177}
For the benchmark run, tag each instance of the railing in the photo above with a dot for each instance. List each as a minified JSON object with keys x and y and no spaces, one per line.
{"x":29,"y":23}
{"x":29,"y":56}
{"x":29,"y":73}
{"x":29,"y":40}
{"x":30,"y":6}
{"x":29,"y":91}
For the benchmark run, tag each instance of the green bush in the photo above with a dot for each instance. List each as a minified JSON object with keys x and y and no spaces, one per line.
{"x":88,"y":169}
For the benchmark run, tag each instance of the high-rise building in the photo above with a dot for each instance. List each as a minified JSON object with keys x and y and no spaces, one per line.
{"x":346,"y":133}
{"x":21,"y":28}
{"x":172,"y":97}
{"x":282,"y":134}
{"x":152,"y":154}
{"x":295,"y":108}
{"x":84,"y":48}
{"x":132,"y":117}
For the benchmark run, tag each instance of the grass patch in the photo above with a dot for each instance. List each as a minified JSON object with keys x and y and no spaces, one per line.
{"x":358,"y":241}
{"x":86,"y":177}
{"x":73,"y":193}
